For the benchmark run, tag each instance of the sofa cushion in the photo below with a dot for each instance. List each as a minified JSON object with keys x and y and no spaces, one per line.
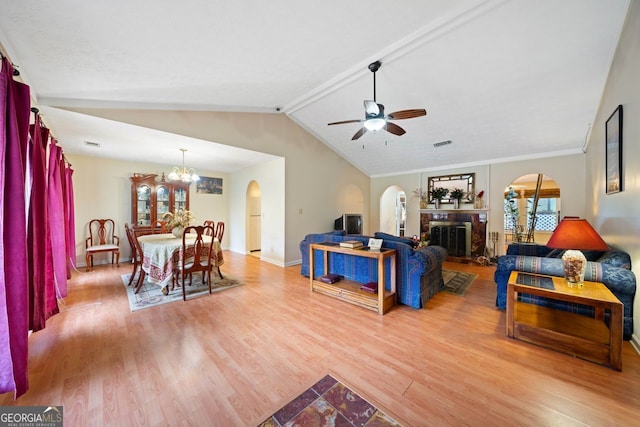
{"x":392,"y":238}
{"x":592,"y":255}
{"x":616,"y":258}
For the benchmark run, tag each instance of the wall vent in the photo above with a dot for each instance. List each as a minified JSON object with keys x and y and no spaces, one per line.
{"x":441,"y":143}
{"x":92,"y":144}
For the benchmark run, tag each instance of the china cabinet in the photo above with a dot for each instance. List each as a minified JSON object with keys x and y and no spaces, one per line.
{"x":151,"y":198}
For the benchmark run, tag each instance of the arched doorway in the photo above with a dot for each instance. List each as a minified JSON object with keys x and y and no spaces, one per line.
{"x":254,"y":218}
{"x":393,"y":211}
{"x":531,"y":209}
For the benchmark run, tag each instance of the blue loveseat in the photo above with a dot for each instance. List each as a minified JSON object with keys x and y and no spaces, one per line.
{"x":418,"y":270}
{"x":612,"y":267}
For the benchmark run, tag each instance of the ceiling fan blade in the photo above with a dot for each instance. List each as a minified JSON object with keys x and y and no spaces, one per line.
{"x":371,"y":108}
{"x":358,"y":134}
{"x":394,"y":129}
{"x":407,"y":114}
{"x":344,"y":121}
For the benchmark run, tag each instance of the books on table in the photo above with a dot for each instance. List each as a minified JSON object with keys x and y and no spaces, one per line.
{"x":371,"y":287}
{"x":351,"y":244}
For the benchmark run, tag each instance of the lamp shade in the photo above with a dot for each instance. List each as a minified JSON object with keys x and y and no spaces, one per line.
{"x":576,"y":233}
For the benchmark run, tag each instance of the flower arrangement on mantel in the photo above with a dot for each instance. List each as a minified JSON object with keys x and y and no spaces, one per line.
{"x":181,"y":219}
{"x":457,"y":193}
{"x":438,"y":193}
{"x":478,"y":203}
{"x":422,"y":195}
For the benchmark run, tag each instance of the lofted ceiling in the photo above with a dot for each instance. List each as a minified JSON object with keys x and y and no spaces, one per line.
{"x":500,"y":79}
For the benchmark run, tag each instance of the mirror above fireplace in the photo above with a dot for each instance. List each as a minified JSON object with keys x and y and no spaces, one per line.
{"x":465,"y":181}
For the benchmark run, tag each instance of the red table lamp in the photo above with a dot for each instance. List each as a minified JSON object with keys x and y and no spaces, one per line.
{"x":575,"y":234}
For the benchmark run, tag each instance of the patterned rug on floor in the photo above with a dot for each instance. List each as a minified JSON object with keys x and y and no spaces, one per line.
{"x":150,"y":294}
{"x":328,"y":403}
{"x":457,"y":282}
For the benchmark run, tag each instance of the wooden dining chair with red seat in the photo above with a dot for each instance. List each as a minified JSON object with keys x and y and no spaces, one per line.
{"x":136,"y":256}
{"x":195,"y":258}
{"x":102,"y":238}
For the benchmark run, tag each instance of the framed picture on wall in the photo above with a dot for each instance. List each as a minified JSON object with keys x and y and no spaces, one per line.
{"x":208,"y":185}
{"x":613,"y":151}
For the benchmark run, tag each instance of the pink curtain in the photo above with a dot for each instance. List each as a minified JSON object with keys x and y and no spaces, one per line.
{"x":57,"y":228}
{"x":14,"y":303}
{"x":42,"y":298}
{"x":71,"y":219}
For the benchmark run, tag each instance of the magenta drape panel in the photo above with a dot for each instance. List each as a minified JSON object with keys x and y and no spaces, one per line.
{"x":14,"y":303}
{"x":40,"y":306}
{"x":56,"y":224}
{"x":65,"y":213}
{"x":71,"y":220}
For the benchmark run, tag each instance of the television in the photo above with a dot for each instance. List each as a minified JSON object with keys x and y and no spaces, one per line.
{"x":350,"y":223}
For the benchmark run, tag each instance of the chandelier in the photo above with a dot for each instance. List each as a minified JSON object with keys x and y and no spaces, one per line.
{"x":183,"y":174}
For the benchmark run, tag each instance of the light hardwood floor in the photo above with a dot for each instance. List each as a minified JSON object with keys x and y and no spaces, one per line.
{"x":235,"y":357}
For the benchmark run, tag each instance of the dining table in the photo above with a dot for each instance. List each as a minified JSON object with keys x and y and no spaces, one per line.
{"x":161,"y":252}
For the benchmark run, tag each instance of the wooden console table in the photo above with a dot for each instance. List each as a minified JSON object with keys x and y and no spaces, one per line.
{"x":572,"y":333}
{"x":348,"y":290}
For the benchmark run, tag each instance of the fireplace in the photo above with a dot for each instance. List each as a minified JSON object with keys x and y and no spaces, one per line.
{"x":461,"y":232}
{"x":455,"y":237}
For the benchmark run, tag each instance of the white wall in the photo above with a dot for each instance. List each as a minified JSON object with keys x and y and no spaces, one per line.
{"x":270,"y":177}
{"x":567,"y":171}
{"x":102,"y":189}
{"x":616,"y":216}
{"x":318,"y":186}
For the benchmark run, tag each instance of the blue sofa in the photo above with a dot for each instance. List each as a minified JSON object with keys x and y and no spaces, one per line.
{"x":613,"y":268}
{"x":418,"y":270}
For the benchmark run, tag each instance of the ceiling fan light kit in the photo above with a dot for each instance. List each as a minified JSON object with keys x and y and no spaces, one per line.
{"x":375,"y":124}
{"x":374,"y":118}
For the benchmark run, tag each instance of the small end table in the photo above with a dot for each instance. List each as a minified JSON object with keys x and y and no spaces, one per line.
{"x":572,"y":333}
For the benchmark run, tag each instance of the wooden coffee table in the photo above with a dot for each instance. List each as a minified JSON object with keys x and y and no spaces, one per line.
{"x":575,"y":334}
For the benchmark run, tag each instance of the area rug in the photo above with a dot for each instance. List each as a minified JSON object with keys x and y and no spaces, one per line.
{"x":328,"y":403}
{"x":457,"y":282}
{"x":150,"y":294}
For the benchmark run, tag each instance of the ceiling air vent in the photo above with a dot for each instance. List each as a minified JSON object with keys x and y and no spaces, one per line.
{"x":441,"y":143}
{"x":91,"y":144}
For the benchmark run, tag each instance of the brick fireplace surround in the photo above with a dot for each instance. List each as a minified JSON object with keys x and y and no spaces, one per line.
{"x":477,"y":219}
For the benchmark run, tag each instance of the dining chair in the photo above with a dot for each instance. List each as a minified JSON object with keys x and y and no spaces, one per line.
{"x":219,"y":234}
{"x":219,"y":231}
{"x":138,"y":246}
{"x":211,"y":224}
{"x":160,"y":226}
{"x":196,"y":257}
{"x":102,"y":238}
{"x":136,"y":256}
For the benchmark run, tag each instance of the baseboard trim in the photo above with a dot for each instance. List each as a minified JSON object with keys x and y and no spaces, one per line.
{"x":635,"y":343}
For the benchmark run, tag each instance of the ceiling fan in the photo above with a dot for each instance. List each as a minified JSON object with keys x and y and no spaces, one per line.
{"x":374,"y":118}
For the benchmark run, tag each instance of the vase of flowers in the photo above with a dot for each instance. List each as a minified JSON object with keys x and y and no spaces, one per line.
{"x":457,"y":194}
{"x":422,"y":195}
{"x":437,"y":193}
{"x":478,"y":202}
{"x":178,"y":221}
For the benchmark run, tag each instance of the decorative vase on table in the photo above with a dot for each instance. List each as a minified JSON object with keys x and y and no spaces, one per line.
{"x":177,"y":231}
{"x":436,"y":203}
{"x":456,"y":203}
{"x":423,"y":203}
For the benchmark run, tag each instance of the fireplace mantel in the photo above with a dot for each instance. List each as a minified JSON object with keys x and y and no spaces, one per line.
{"x":476,"y":217}
{"x":431,"y":211}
